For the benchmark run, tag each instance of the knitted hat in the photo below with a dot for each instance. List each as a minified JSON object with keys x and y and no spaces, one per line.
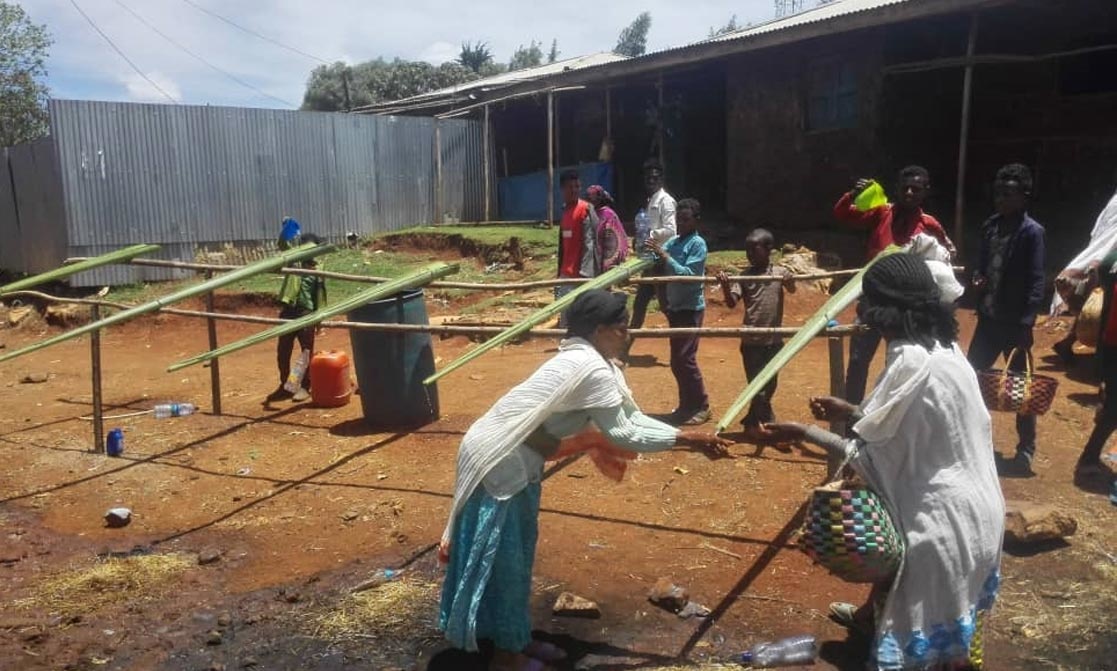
{"x":902,"y":280}
{"x":594,"y":308}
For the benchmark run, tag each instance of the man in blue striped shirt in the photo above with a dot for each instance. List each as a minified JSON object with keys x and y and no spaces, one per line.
{"x":685,"y":255}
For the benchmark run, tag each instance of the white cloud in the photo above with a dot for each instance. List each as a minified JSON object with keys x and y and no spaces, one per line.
{"x":81,"y":65}
{"x":439,"y":53}
{"x":140,"y":90}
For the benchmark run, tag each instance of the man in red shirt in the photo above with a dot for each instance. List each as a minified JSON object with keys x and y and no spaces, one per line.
{"x":577,"y":232}
{"x":888,"y":224}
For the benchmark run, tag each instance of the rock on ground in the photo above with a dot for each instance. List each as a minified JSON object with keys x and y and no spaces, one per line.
{"x":569,"y":604}
{"x":666,"y":594}
{"x":118,"y":517}
{"x":1027,"y":522}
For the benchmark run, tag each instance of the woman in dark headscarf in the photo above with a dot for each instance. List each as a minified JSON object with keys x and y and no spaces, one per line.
{"x":924,"y":443}
{"x":489,"y":542}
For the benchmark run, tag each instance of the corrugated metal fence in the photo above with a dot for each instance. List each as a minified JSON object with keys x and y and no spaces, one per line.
{"x":191,"y":177}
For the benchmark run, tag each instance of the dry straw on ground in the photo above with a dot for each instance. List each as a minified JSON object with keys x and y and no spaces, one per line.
{"x":90,"y":588}
{"x":392,"y":611}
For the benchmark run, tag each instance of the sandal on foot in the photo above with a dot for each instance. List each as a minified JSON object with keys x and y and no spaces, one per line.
{"x":544,"y":651}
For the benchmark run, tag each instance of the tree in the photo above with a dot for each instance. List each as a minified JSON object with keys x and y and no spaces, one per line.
{"x":553,"y":56}
{"x":633,"y":40}
{"x":475,"y":56}
{"x":727,"y":28}
{"x":526,"y":57}
{"x":377,"y":81}
{"x":23,"y":93}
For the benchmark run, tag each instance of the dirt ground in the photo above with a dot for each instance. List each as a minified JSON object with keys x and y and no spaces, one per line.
{"x":303,"y":502}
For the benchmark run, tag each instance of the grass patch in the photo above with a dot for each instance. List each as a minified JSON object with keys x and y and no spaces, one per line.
{"x":107,"y":582}
{"x":537,"y":239}
{"x":395,"y":611}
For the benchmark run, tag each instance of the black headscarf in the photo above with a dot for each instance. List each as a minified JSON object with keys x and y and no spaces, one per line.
{"x":594,"y":308}
{"x":902,"y":298}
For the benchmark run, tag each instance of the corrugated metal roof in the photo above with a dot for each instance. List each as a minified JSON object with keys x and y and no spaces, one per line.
{"x":830,"y":10}
{"x":503,"y":80}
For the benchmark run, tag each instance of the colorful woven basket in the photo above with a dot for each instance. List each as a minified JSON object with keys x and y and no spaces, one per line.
{"x":849,"y":532}
{"x":1022,"y":392}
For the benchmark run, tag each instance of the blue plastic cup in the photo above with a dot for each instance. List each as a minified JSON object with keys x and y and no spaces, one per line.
{"x":114,"y":447}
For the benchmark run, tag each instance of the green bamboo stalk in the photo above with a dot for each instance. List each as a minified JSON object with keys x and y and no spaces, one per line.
{"x":412,"y":281}
{"x":118,"y":256}
{"x":615,"y":276}
{"x":284,"y":258}
{"x":831,"y":309}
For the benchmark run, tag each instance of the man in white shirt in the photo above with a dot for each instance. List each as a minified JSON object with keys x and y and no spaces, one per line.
{"x":661,"y":215}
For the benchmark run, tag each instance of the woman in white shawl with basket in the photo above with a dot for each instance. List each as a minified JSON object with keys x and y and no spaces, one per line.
{"x":489,"y":542}
{"x":924,"y":445}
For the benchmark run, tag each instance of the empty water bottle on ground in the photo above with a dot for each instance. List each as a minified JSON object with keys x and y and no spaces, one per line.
{"x":793,"y":651}
{"x":378,"y":578}
{"x":165,"y":410}
{"x":294,"y":381}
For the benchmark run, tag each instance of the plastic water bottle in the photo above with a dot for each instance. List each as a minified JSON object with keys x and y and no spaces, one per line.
{"x":165,"y":410}
{"x":792,"y":651}
{"x":643,"y":230}
{"x":295,"y":379}
{"x":378,"y":578}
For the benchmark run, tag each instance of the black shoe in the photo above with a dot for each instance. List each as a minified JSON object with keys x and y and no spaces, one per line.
{"x":1020,"y":466}
{"x":279,"y":394}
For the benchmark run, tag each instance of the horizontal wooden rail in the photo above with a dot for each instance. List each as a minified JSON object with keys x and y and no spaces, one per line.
{"x":450,"y":330}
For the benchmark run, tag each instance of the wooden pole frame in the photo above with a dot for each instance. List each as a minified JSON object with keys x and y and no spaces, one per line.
{"x":964,"y":136}
{"x":837,"y":388}
{"x":550,"y":158}
{"x":486,"y":164}
{"x":438,"y":202}
{"x":215,"y":365}
{"x":95,"y":370}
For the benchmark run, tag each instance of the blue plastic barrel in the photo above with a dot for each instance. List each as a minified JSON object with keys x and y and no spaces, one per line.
{"x":391,"y":367}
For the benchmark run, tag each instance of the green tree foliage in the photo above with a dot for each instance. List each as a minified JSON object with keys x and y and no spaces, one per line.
{"x":377,"y":81}
{"x":23,"y":93}
{"x":633,"y":40}
{"x":526,"y":57}
{"x":554,"y":54}
{"x":727,"y":28}
{"x":475,"y":56}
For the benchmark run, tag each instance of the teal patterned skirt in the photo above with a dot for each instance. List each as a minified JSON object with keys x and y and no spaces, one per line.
{"x":487,"y":591}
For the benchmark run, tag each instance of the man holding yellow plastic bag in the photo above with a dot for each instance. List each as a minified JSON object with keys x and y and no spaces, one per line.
{"x":866,"y":207}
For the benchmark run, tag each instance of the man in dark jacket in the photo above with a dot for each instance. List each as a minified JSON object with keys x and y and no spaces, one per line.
{"x":1009,"y":280}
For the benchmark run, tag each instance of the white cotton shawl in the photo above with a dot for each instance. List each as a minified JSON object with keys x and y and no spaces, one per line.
{"x":928,"y":452}
{"x":1102,"y":239}
{"x":577,"y":378}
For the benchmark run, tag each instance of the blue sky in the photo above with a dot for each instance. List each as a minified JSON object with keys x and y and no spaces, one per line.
{"x":82,"y":65}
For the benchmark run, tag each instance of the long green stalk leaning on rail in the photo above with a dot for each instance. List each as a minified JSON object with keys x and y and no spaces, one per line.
{"x":262,"y":266}
{"x":412,"y":281}
{"x":119,"y":256}
{"x":606,"y":279}
{"x":818,"y":321}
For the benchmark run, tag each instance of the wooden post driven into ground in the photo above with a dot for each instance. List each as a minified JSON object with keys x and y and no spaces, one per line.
{"x":486,"y":163}
{"x":964,"y":135}
{"x":838,"y":389}
{"x":95,"y":369}
{"x":215,"y":365}
{"x":550,"y":157}
{"x":438,"y":213}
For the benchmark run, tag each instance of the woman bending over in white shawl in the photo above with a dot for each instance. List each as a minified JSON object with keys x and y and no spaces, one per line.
{"x":924,"y":444}
{"x":489,"y":542}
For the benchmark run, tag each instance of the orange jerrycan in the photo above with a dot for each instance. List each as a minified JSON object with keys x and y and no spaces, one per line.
{"x":330,"y":383}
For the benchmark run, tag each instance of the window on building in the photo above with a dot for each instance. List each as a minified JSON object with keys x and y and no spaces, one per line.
{"x":831,"y":95}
